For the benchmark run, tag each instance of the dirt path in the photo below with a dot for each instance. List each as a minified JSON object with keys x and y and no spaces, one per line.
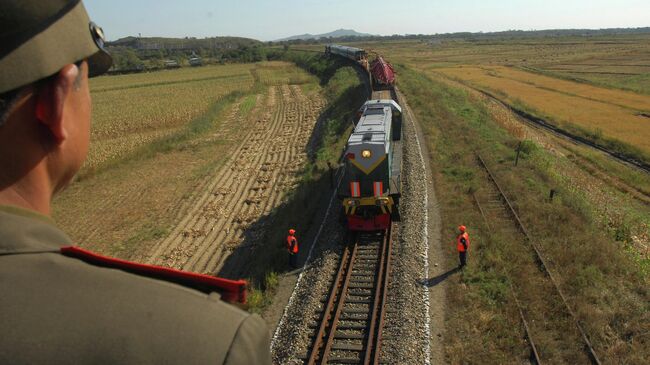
{"x":255,"y":180}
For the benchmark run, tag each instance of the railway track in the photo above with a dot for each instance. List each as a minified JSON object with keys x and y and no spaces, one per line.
{"x":349,"y":329}
{"x":540,"y":123}
{"x":542,"y":306}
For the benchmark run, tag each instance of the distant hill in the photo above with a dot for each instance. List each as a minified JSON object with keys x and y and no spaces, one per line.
{"x":188,"y":43}
{"x":335,"y":34}
{"x":477,"y":36}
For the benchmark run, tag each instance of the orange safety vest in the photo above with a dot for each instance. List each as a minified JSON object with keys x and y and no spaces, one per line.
{"x":459,"y":244}
{"x":292,"y":244}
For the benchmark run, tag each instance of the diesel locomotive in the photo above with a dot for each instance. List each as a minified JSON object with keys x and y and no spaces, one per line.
{"x":371,"y":187}
{"x":373,"y":154}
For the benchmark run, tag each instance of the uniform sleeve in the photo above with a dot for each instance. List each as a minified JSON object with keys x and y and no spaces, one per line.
{"x":251,"y":343}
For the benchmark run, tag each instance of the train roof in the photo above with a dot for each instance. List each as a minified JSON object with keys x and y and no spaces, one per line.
{"x":352,"y":49}
{"x":372,"y":126}
{"x":387,"y":102}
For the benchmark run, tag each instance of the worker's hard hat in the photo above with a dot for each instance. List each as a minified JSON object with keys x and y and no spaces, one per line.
{"x":292,"y":231}
{"x":462,"y":228}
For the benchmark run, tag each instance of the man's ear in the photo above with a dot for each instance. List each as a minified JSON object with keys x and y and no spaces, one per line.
{"x":50,"y":101}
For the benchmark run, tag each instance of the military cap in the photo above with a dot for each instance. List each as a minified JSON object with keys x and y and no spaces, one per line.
{"x":38,"y":38}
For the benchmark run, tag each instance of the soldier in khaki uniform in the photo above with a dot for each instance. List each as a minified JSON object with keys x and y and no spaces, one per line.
{"x":60,"y":309}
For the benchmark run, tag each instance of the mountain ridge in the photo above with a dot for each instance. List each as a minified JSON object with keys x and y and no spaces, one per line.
{"x":334,"y":34}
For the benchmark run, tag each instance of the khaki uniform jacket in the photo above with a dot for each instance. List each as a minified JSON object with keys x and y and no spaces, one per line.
{"x":60,"y":310}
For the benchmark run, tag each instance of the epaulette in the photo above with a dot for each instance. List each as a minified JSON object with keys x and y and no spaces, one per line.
{"x":233,"y":291}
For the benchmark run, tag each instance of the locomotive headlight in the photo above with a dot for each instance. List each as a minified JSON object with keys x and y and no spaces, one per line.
{"x":366,"y":153}
{"x":381,"y":201}
{"x":353,"y":202}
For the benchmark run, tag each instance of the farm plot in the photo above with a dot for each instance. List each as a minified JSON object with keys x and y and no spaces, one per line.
{"x":130,"y":111}
{"x":280,"y":73}
{"x":627,"y":68}
{"x":612,"y":113}
{"x":253,"y":182}
{"x":125,"y":209}
{"x":609,"y":61}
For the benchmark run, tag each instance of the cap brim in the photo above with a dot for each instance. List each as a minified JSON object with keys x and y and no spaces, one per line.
{"x":99,"y":63}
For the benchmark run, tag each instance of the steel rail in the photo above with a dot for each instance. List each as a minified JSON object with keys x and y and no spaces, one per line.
{"x":384,"y":286}
{"x":339,"y":307}
{"x":369,"y":348}
{"x":588,"y":346}
{"x":329,"y":308}
{"x":372,"y":343}
{"x":534,"y":354}
{"x":545,"y":125}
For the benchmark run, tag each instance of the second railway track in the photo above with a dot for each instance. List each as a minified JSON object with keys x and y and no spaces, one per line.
{"x":348,"y":330}
{"x":542,"y":306}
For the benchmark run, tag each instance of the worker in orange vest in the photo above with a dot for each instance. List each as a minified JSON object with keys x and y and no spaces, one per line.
{"x":462,"y":245}
{"x":292,"y":247}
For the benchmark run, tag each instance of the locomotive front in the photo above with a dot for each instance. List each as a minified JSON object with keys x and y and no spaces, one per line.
{"x":372,"y":166}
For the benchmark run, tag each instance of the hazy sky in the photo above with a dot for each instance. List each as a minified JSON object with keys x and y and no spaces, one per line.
{"x":269,"y":20}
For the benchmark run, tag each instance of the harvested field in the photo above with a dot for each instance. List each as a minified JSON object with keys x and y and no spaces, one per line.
{"x":228,"y":166}
{"x":253,"y":182}
{"x":130,"y":111}
{"x":624,"y":99}
{"x":612,"y":112}
{"x":269,"y":74}
{"x":608,"y":61}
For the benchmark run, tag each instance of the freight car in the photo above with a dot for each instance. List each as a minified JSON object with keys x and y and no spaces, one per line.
{"x":373,"y":154}
{"x":383,"y":75}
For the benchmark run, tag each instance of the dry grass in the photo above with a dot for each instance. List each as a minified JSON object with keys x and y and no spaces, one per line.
{"x":609,"y":61}
{"x":123,"y":208}
{"x":626,"y":99}
{"x":130,"y":111}
{"x":283,"y":73}
{"x":594,"y":109}
{"x":605,"y":281}
{"x":181,"y":75}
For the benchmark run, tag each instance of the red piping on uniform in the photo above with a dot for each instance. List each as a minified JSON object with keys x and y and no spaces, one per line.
{"x":230,"y":290}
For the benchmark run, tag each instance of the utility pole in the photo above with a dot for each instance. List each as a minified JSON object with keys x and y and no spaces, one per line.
{"x":518,"y":151}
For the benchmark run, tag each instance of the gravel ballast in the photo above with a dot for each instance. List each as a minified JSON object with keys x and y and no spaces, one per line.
{"x":406,"y":334}
{"x":406,"y":330}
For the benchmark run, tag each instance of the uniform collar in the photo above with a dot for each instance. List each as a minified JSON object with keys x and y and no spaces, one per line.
{"x":23,"y":230}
